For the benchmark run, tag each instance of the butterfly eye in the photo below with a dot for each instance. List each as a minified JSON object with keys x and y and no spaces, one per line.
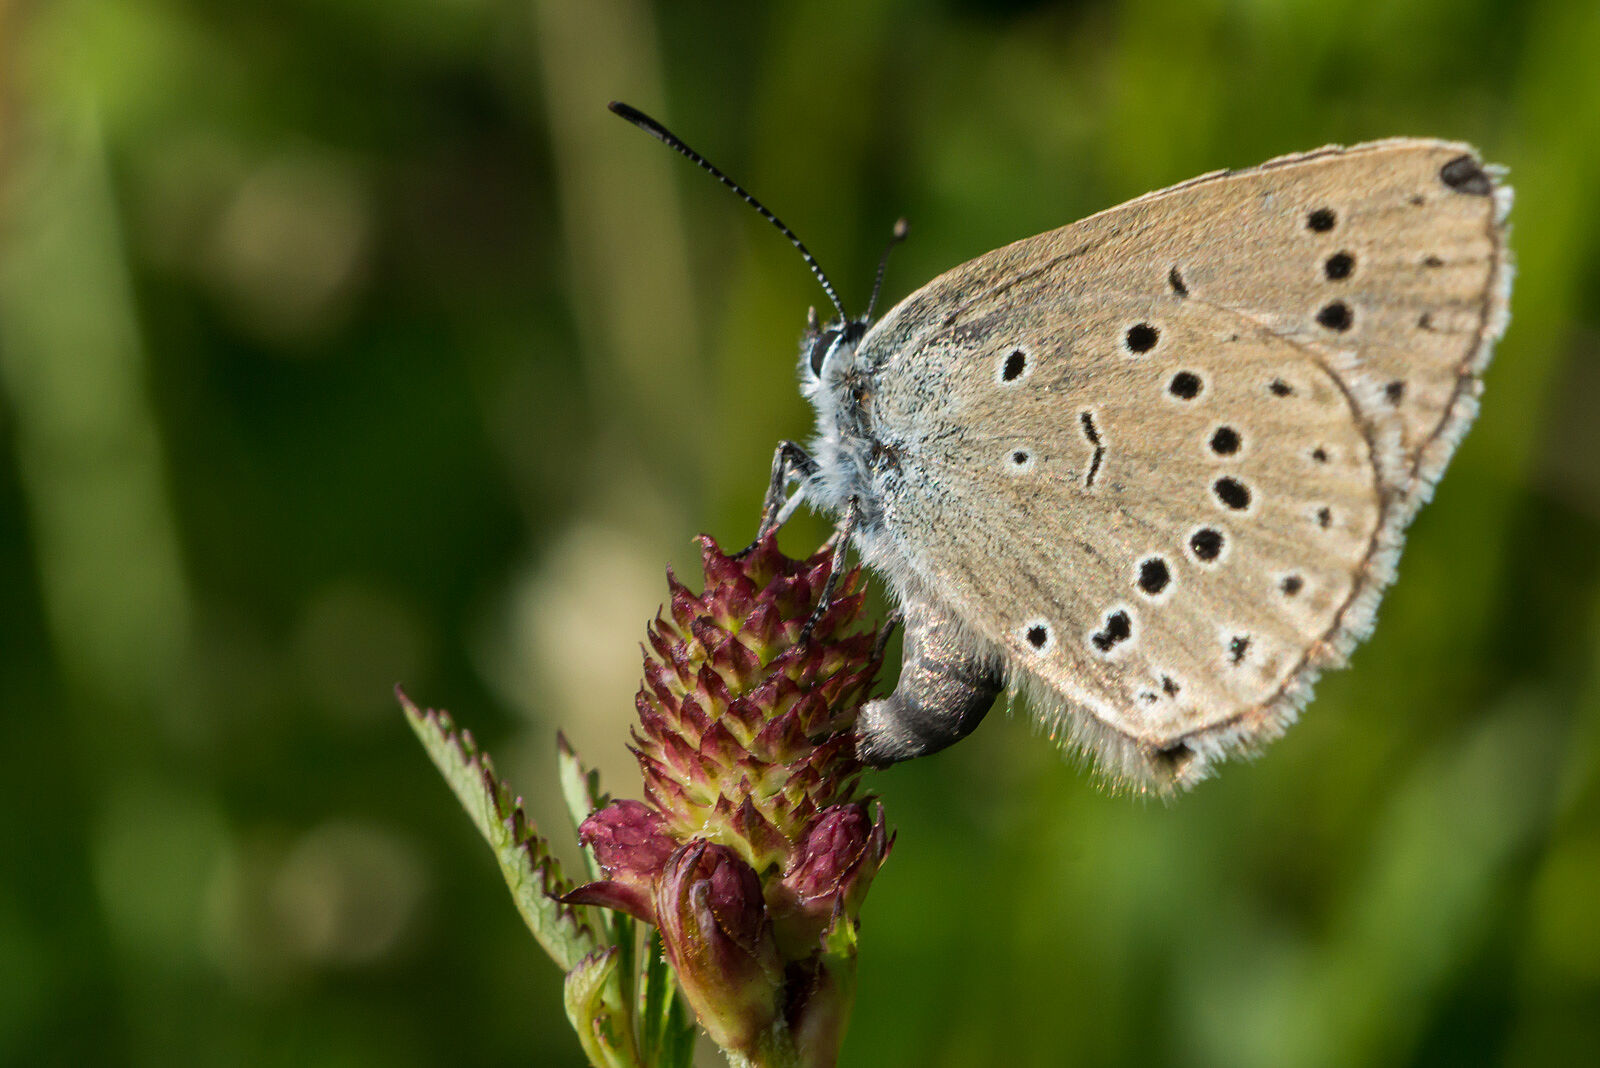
{"x":819,"y":350}
{"x":845,"y":336}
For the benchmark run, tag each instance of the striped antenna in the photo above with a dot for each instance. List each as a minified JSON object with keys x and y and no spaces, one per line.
{"x":674,"y":142}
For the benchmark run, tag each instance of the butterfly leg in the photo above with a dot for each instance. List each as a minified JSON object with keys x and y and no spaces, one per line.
{"x":945,"y":690}
{"x":841,"y":545}
{"x":891,"y":623}
{"x":789,"y":462}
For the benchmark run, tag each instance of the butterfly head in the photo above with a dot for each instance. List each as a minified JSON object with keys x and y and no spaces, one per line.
{"x":828,"y":349}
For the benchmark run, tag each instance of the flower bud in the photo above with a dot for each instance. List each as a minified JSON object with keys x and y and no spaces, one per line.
{"x":629,"y":840}
{"x":631,"y":845}
{"x":718,"y":938}
{"x":829,"y":873}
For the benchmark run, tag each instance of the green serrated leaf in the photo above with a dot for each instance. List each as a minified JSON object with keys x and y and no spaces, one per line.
{"x":531,"y":872}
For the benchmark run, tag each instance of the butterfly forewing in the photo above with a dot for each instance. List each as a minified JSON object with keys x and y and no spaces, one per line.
{"x":1169,"y":451}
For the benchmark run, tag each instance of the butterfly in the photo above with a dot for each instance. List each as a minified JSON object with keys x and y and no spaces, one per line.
{"x":1153,"y":469}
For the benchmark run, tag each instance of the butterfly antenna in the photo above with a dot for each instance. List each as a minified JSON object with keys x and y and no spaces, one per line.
{"x":674,"y":142}
{"x":901,"y":228}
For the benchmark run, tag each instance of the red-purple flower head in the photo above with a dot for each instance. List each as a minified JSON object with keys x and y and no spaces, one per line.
{"x":751,"y":852}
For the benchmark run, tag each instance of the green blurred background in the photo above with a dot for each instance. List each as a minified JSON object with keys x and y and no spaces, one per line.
{"x":345,"y":342}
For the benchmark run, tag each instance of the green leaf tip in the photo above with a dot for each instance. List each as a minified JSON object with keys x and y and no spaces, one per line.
{"x":531,"y":872}
{"x":589,"y":994}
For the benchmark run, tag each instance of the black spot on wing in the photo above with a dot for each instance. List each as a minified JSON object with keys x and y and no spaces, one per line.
{"x":1118,"y":628}
{"x":1185,"y":385}
{"x":1154,"y":575}
{"x":1141,"y":338}
{"x":1206,"y":544}
{"x":1232,"y":493}
{"x":1336,"y":316}
{"x":1086,"y":420}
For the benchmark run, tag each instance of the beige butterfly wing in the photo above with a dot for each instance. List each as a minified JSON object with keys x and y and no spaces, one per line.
{"x":1159,"y":462}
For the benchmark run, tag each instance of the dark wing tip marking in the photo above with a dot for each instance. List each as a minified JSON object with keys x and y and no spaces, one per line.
{"x":1466,"y":175}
